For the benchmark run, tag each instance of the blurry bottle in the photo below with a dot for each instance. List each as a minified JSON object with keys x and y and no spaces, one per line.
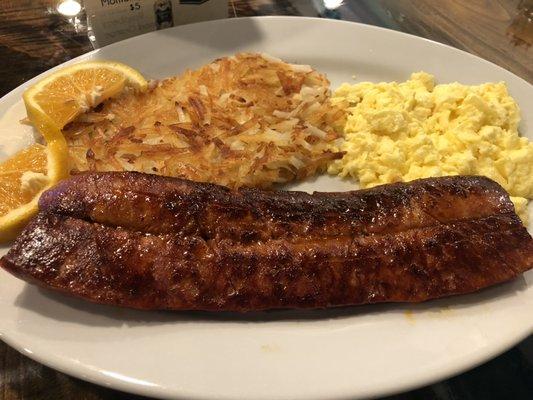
{"x":163,"y":14}
{"x":521,"y":28}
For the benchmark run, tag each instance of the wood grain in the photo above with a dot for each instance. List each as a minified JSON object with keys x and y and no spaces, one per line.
{"x":34,"y":38}
{"x":478,"y":26}
{"x":497,"y":30}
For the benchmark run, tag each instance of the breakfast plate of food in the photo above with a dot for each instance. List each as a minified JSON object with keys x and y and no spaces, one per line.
{"x":267,"y":208}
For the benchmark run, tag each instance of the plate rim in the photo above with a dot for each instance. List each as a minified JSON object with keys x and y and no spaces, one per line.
{"x":101,"y":377}
{"x":98,"y":376}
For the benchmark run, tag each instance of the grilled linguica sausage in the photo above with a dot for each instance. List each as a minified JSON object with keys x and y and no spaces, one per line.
{"x":150,"y":242}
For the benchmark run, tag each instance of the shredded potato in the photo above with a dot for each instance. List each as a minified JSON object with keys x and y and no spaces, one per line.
{"x":246,"y":120}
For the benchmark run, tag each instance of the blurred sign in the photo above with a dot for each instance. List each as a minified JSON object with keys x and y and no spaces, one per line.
{"x":113,"y":20}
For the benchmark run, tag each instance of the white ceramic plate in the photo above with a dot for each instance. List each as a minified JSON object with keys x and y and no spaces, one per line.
{"x":345,"y":353}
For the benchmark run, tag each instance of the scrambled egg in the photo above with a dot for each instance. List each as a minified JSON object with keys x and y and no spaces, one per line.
{"x":414,"y":129}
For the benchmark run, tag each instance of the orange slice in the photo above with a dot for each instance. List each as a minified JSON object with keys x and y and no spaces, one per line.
{"x":23,"y":178}
{"x":51,"y":104}
{"x":68,"y":92}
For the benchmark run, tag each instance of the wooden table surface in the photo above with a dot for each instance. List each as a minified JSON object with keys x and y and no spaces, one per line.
{"x":34,"y":38}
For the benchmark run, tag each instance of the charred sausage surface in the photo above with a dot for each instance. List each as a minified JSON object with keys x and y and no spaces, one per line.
{"x":150,"y":242}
